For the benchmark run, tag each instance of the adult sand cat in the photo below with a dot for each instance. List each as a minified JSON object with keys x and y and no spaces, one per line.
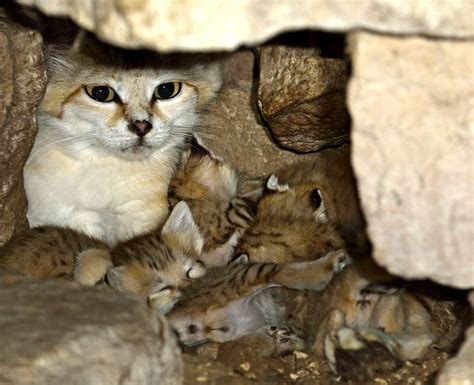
{"x":111,"y":128}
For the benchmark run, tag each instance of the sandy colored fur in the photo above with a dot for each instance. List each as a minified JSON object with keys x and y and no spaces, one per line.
{"x":47,"y":252}
{"x":106,"y":181}
{"x":221,"y":200}
{"x":285,"y":230}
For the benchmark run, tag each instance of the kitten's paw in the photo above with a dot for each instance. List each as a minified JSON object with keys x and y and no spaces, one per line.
{"x":285,"y":340}
{"x":360,"y":355}
{"x":91,"y":266}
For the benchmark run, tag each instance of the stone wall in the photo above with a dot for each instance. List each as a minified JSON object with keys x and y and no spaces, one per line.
{"x":411,"y":100}
{"x":22,"y":83}
{"x":216,"y":25}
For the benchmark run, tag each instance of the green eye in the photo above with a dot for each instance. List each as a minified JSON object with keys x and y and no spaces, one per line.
{"x":167,"y":90}
{"x":102,"y":94}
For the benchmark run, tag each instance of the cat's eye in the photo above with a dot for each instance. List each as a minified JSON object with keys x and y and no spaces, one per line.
{"x":167,"y":90}
{"x":103,"y":94}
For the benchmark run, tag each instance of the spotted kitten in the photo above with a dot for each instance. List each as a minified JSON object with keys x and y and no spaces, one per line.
{"x":111,"y":129}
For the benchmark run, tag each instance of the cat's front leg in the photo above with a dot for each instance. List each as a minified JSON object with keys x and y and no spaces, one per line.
{"x":91,"y":266}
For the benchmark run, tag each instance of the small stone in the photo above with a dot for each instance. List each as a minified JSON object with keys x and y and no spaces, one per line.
{"x":300,"y":355}
{"x":294,"y":376}
{"x":380,"y":381}
{"x":201,"y":379}
{"x":245,"y":366}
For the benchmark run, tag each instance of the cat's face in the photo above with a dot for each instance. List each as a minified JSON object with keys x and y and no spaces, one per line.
{"x":122,"y":105}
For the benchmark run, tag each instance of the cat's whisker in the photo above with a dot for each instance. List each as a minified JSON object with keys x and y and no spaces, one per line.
{"x":57,"y":142}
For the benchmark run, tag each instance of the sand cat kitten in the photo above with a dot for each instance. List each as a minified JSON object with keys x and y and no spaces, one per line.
{"x":222,"y":201}
{"x":334,"y":178}
{"x":354,"y":321}
{"x":219,"y":306}
{"x":53,"y":252}
{"x":154,"y":266}
{"x":111,"y":127}
{"x":158,"y":265}
{"x":291,"y":224}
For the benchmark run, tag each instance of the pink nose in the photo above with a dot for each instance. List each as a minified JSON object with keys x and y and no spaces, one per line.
{"x":140,"y":127}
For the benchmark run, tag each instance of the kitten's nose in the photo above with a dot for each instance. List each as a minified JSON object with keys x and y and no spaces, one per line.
{"x":140,"y":127}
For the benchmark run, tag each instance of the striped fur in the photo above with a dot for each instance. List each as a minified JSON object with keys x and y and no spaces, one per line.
{"x":55,"y":252}
{"x":218,"y":306}
{"x":221,"y":200}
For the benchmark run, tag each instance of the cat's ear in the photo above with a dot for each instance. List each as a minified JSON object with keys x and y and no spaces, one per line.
{"x":273,"y":184}
{"x":115,"y":277}
{"x":180,"y":226}
{"x":239,"y":259}
{"x":316,"y":201}
{"x":86,"y":44}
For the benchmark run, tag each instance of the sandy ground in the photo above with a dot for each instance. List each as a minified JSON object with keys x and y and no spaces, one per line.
{"x":206,"y":366}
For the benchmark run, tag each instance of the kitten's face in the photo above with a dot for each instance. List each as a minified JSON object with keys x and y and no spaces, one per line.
{"x":159,"y":267}
{"x":161,"y":286}
{"x":131,"y":110}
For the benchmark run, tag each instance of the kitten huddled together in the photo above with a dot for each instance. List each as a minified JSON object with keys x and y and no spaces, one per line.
{"x":239,"y":257}
{"x":114,"y":198}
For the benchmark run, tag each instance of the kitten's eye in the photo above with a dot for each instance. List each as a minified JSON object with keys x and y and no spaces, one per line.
{"x":168,"y":287}
{"x":167,"y":90}
{"x":102,"y":94}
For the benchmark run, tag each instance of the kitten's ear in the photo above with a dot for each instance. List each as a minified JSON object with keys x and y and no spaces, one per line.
{"x":317,"y":203}
{"x":115,"y":277}
{"x":180,"y":226}
{"x":273,"y":184}
{"x":239,"y":259}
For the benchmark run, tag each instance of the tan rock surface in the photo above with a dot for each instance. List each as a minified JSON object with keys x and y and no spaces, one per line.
{"x":302,"y":97}
{"x":22,"y":82}
{"x":60,"y":333}
{"x":215,"y":25}
{"x":233,"y":129}
{"x":412,"y":103}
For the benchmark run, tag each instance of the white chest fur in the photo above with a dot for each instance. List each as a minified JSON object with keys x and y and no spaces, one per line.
{"x":105,"y":196}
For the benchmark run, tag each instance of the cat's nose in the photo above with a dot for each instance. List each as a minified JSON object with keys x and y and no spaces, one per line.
{"x":140,"y":127}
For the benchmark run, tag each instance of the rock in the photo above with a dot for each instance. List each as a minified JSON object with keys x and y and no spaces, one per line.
{"x":302,"y":97}
{"x":411,"y":102}
{"x":206,"y":25}
{"x":233,"y":129}
{"x":58,"y":333}
{"x":22,"y":83}
{"x":459,"y":370}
